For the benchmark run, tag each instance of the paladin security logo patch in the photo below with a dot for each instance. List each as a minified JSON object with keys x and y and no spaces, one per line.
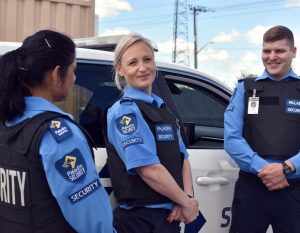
{"x":72,"y":166}
{"x":127,"y":124}
{"x":59,"y":129}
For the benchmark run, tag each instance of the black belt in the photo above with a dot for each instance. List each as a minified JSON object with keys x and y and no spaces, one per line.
{"x":254,"y":177}
{"x":249,"y":176}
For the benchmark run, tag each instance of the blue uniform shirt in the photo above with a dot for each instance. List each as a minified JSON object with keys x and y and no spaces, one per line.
{"x":143,"y":151}
{"x":236,"y":145}
{"x":86,"y":211}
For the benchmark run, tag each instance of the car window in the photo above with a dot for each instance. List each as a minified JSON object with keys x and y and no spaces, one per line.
{"x":199,"y":107}
{"x":76,"y":101}
{"x":93,"y":91}
{"x":201,"y":110}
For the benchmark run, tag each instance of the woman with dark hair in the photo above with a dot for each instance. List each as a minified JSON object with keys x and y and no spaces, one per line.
{"x":48,"y":181}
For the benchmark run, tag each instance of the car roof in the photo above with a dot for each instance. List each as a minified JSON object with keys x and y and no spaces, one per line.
{"x":92,"y":54}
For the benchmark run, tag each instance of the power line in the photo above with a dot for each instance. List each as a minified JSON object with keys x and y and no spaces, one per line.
{"x":236,"y":48}
{"x":220,"y":9}
{"x":246,"y":13}
{"x":244,"y":5}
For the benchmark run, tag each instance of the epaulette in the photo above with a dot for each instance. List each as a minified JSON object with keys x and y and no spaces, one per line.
{"x":126,"y":99}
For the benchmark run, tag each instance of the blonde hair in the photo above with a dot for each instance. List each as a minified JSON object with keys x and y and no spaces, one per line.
{"x":121,"y":47}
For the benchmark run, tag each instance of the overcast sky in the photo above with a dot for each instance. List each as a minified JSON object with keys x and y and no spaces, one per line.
{"x":230,"y":32}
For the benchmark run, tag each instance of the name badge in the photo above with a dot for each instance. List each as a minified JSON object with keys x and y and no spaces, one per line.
{"x":253,"y":104}
{"x":164,"y":132}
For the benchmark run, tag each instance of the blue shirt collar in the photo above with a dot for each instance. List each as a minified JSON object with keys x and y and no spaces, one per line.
{"x":137,"y":94}
{"x":35,"y":105}
{"x":266,"y":75}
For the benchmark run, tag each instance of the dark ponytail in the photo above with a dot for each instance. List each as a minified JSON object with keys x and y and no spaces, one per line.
{"x":28,"y":65}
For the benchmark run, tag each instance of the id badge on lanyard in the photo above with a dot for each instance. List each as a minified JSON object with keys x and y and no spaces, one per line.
{"x":253,"y":103}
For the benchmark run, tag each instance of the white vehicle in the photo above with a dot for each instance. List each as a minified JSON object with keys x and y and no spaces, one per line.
{"x":198,"y":100}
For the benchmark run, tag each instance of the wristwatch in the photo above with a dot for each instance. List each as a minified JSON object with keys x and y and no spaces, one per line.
{"x":286,"y":169}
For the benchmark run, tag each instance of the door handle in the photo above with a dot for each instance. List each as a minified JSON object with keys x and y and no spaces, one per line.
{"x":205,"y":181}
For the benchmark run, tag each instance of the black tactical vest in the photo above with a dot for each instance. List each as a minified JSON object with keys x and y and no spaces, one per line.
{"x":132,"y":189}
{"x":26,"y":202}
{"x":275,"y":131}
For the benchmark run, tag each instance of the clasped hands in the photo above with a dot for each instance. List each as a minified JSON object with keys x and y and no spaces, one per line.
{"x":272,"y":176}
{"x":186,"y":214}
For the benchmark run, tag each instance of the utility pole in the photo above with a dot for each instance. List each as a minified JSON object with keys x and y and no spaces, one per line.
{"x":195,"y":10}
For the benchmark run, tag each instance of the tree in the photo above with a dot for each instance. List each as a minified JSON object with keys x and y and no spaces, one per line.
{"x":245,"y":74}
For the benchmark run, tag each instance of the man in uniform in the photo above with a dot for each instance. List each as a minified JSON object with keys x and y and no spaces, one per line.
{"x":262,"y":135}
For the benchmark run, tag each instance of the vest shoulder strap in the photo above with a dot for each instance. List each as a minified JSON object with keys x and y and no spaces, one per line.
{"x":250,"y":84}
{"x":149,"y":111}
{"x":22,"y":134}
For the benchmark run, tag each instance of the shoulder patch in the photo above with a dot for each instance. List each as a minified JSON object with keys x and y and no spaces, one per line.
{"x":59,"y":129}
{"x":72,"y":166}
{"x":230,"y":109}
{"x":85,"y":191}
{"x":127,"y":124}
{"x":132,"y":141}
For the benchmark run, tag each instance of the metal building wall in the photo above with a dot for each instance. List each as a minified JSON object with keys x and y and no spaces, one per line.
{"x":20,"y":18}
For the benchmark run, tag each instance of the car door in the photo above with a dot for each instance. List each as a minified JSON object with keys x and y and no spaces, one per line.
{"x":200,"y":104}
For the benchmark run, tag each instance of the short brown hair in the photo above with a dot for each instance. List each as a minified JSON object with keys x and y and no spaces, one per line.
{"x":279,"y":33}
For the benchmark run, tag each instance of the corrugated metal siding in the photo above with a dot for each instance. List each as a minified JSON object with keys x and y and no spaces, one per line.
{"x":20,"y":18}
